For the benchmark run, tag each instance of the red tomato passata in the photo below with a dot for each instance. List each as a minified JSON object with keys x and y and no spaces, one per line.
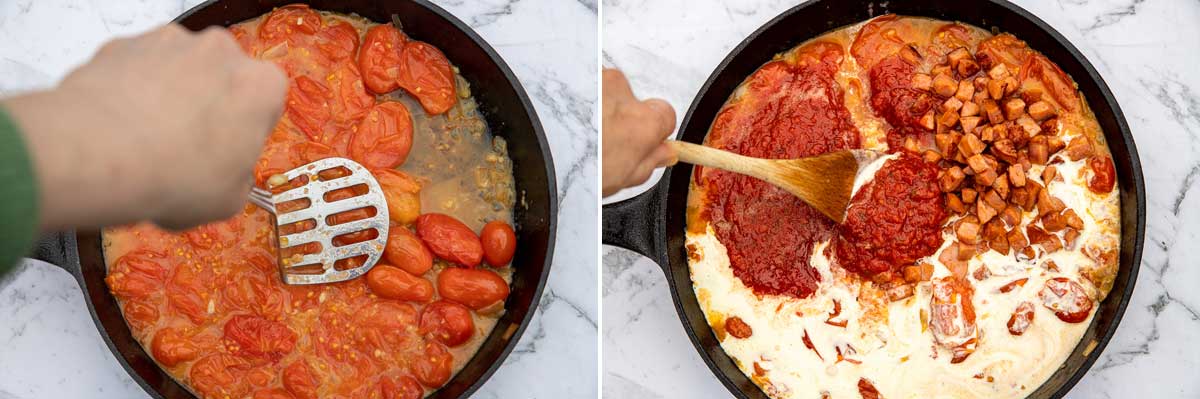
{"x":432,"y":369}
{"x":475,"y":288}
{"x":499,"y":243}
{"x":390,"y":282}
{"x":379,"y":58}
{"x":337,"y":41}
{"x":308,"y":106}
{"x":259,"y":337}
{"x":384,"y":136}
{"x":171,"y":347}
{"x":450,"y":239}
{"x":447,"y":322}
{"x":299,"y":379}
{"x":405,"y":250}
{"x":425,"y":73}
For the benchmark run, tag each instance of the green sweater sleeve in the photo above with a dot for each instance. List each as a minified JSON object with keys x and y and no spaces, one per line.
{"x":18,"y":196}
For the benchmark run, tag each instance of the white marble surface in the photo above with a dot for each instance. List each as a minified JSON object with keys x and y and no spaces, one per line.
{"x":49,"y":347}
{"x":1147,"y":51}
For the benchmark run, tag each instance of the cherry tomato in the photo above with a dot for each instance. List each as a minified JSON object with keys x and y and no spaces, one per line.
{"x":952,"y":313}
{"x":450,"y":239}
{"x":244,"y":39}
{"x":402,"y":193}
{"x":259,"y":337}
{"x":250,"y":290}
{"x":400,"y":387}
{"x":738,"y":328}
{"x":386,"y":325}
{"x":447,"y":322}
{"x":299,"y":379}
{"x":475,"y":288}
{"x":432,"y":369}
{"x":352,"y":100}
{"x":136,"y":275}
{"x":278,"y":154}
{"x":262,"y":376}
{"x":170,"y":347}
{"x":425,"y":73}
{"x":277,"y":393}
{"x":1021,"y":319}
{"x":384,"y":136}
{"x":186,"y":292}
{"x":406,"y":251}
{"x":140,"y":315}
{"x":219,"y":376}
{"x":308,"y":106}
{"x":379,"y":58}
{"x":1067,"y":299}
{"x":499,"y":243}
{"x":393,"y":283}
{"x":311,"y":151}
{"x":288,"y":23}
{"x":1103,"y":175}
{"x":337,"y":41}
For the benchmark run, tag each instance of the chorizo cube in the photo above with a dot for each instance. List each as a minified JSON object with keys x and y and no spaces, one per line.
{"x":1080,"y":147}
{"x":1011,"y":215}
{"x":969,"y":194}
{"x":969,"y":108}
{"x":995,"y":89}
{"x":1038,"y":153}
{"x":951,"y":104}
{"x":992,"y":111}
{"x":1017,"y":239}
{"x":944,"y":85}
{"x":1073,"y":219}
{"x":1031,"y":94}
{"x":999,"y":71}
{"x":1054,"y":222}
{"x":948,"y":118}
{"x":970,"y":145}
{"x":951,"y":179}
{"x":955,"y":204}
{"x":1016,"y":175}
{"x":1028,"y":125}
{"x":967,"y":232}
{"x":977,"y":162}
{"x":1054,"y":143}
{"x":1014,"y":108}
{"x":957,"y":55}
{"x":1070,"y":237}
{"x":1010,"y":85}
{"x":984,"y":211}
{"x":1049,"y":173}
{"x":922,"y":81}
{"x":969,"y":123}
{"x":1041,"y":110}
{"x":931,"y":156}
{"x":966,"y":91}
{"x":927,"y":120}
{"x":1001,"y":186}
{"x":986,"y":178}
{"x":966,"y":68}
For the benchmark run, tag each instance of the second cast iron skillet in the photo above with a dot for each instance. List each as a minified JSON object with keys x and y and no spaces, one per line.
{"x":653,"y":223}
{"x":509,"y":114}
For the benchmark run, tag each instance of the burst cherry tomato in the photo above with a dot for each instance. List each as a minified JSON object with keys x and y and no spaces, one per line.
{"x":1103,"y":174}
{"x":390,"y":282}
{"x":251,"y":290}
{"x":187,"y":290}
{"x":170,"y":347}
{"x":259,"y":337}
{"x":379,"y":58}
{"x":219,"y":376}
{"x":447,"y":322}
{"x":288,"y":23}
{"x":1067,"y":299}
{"x":402,"y":193}
{"x":425,"y":73}
{"x":433,"y":369}
{"x":352,"y":100}
{"x":499,"y":243}
{"x":337,"y":41}
{"x":140,"y":314}
{"x":450,"y":239}
{"x":136,"y":275}
{"x":384,"y":136}
{"x":311,"y":151}
{"x":406,"y":251}
{"x":1021,"y":319}
{"x":386,"y":325}
{"x":400,"y":387}
{"x":299,"y":379}
{"x":475,"y":288}
{"x":308,"y":106}
{"x":277,"y":393}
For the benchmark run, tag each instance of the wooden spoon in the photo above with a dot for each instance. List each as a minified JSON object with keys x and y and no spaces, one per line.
{"x":825,"y":181}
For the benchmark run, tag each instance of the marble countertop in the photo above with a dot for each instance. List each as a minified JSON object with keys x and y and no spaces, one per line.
{"x":49,"y":347}
{"x":1148,"y":53}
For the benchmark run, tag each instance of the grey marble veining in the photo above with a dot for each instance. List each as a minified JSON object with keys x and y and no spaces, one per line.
{"x":1147,"y":52}
{"x":48,"y":344}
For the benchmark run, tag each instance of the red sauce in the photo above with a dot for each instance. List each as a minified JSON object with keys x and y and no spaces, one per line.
{"x":790,"y":110}
{"x":894,"y":99}
{"x":893,"y":220}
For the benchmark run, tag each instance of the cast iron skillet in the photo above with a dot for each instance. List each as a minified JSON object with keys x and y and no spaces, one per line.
{"x":653,"y":223}
{"x":509,"y":114}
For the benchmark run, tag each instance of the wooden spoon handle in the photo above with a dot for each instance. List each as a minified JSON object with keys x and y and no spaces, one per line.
{"x":707,"y":156}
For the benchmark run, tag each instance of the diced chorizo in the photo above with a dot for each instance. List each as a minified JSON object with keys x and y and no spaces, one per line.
{"x":927,"y":120}
{"x":968,"y":195}
{"x":1016,"y":175}
{"x":952,"y":104}
{"x":966,"y":91}
{"x":984,"y":211}
{"x":970,"y":145}
{"x":944,"y":85}
{"x":1079,"y":148}
{"x":1073,"y":219}
{"x":951,"y":178}
{"x":955,"y":204}
{"x":968,"y":232}
{"x":1011,"y":215}
{"x":1031,"y":94}
{"x":995,"y":89}
{"x":1005,"y":150}
{"x":1049,"y":173}
{"x":999,"y":71}
{"x":1039,"y":153}
{"x":1054,"y":221}
{"x":922,"y":81}
{"x":1000,"y":186}
{"x":1017,"y":239}
{"x":931,"y":156}
{"x":1041,"y":110}
{"x":969,"y":108}
{"x":1029,"y":127}
{"x":1053,"y":143}
{"x":1067,"y":299}
{"x":992,"y":111}
{"x":1014,"y":108}
{"x":738,"y":328}
{"x":1070,"y":237}
{"x":969,"y":122}
{"x":986,"y":178}
{"x":948,"y":118}
{"x":1104,"y":175}
{"x":957,"y":55}
{"x":977,"y":163}
{"x":966,"y":68}
{"x":993,"y":199}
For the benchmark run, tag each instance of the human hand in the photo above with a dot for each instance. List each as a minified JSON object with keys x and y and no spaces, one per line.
{"x":633,"y":134}
{"x":165,"y":126}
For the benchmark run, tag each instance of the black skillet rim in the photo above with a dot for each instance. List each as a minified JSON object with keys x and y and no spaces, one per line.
{"x":661,"y":189}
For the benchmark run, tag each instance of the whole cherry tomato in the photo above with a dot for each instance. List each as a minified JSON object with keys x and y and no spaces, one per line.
{"x":219,"y":376}
{"x":307,"y":106}
{"x":288,"y":23}
{"x":171,"y":347}
{"x":379,"y":58}
{"x":447,"y":322}
{"x":425,"y":73}
{"x":475,"y":288}
{"x":259,"y":337}
{"x":384,"y":136}
{"x":450,"y":239}
{"x":499,"y":243}
{"x":337,"y":41}
{"x":390,"y":282}
{"x":432,"y":369}
{"x":405,"y":250}
{"x":299,"y":379}
{"x":402,"y":193}
{"x":400,"y":387}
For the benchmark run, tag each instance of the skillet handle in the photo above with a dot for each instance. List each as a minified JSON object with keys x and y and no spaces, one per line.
{"x":638,"y":224}
{"x":59,"y":249}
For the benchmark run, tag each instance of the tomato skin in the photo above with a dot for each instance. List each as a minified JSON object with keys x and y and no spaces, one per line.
{"x":475,"y":288}
{"x":219,"y":375}
{"x":288,"y":23}
{"x":251,"y":290}
{"x":352,"y":100}
{"x":499,"y":243}
{"x":337,"y":41}
{"x":1021,"y":318}
{"x":400,"y":387}
{"x":259,"y":337}
{"x":277,"y":393}
{"x":140,"y":315}
{"x":299,"y":380}
{"x":311,"y":151}
{"x":136,"y":275}
{"x":402,"y":193}
{"x":170,"y":347}
{"x":425,"y":73}
{"x":1067,"y":299}
{"x":450,"y":239}
{"x":432,"y":369}
{"x":1103,"y":175}
{"x":186,"y":292}
{"x":447,"y":322}
{"x":393,"y":283}
{"x":308,"y":106}
{"x":384,"y":136}
{"x":405,"y":250}
{"x":379,"y":58}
